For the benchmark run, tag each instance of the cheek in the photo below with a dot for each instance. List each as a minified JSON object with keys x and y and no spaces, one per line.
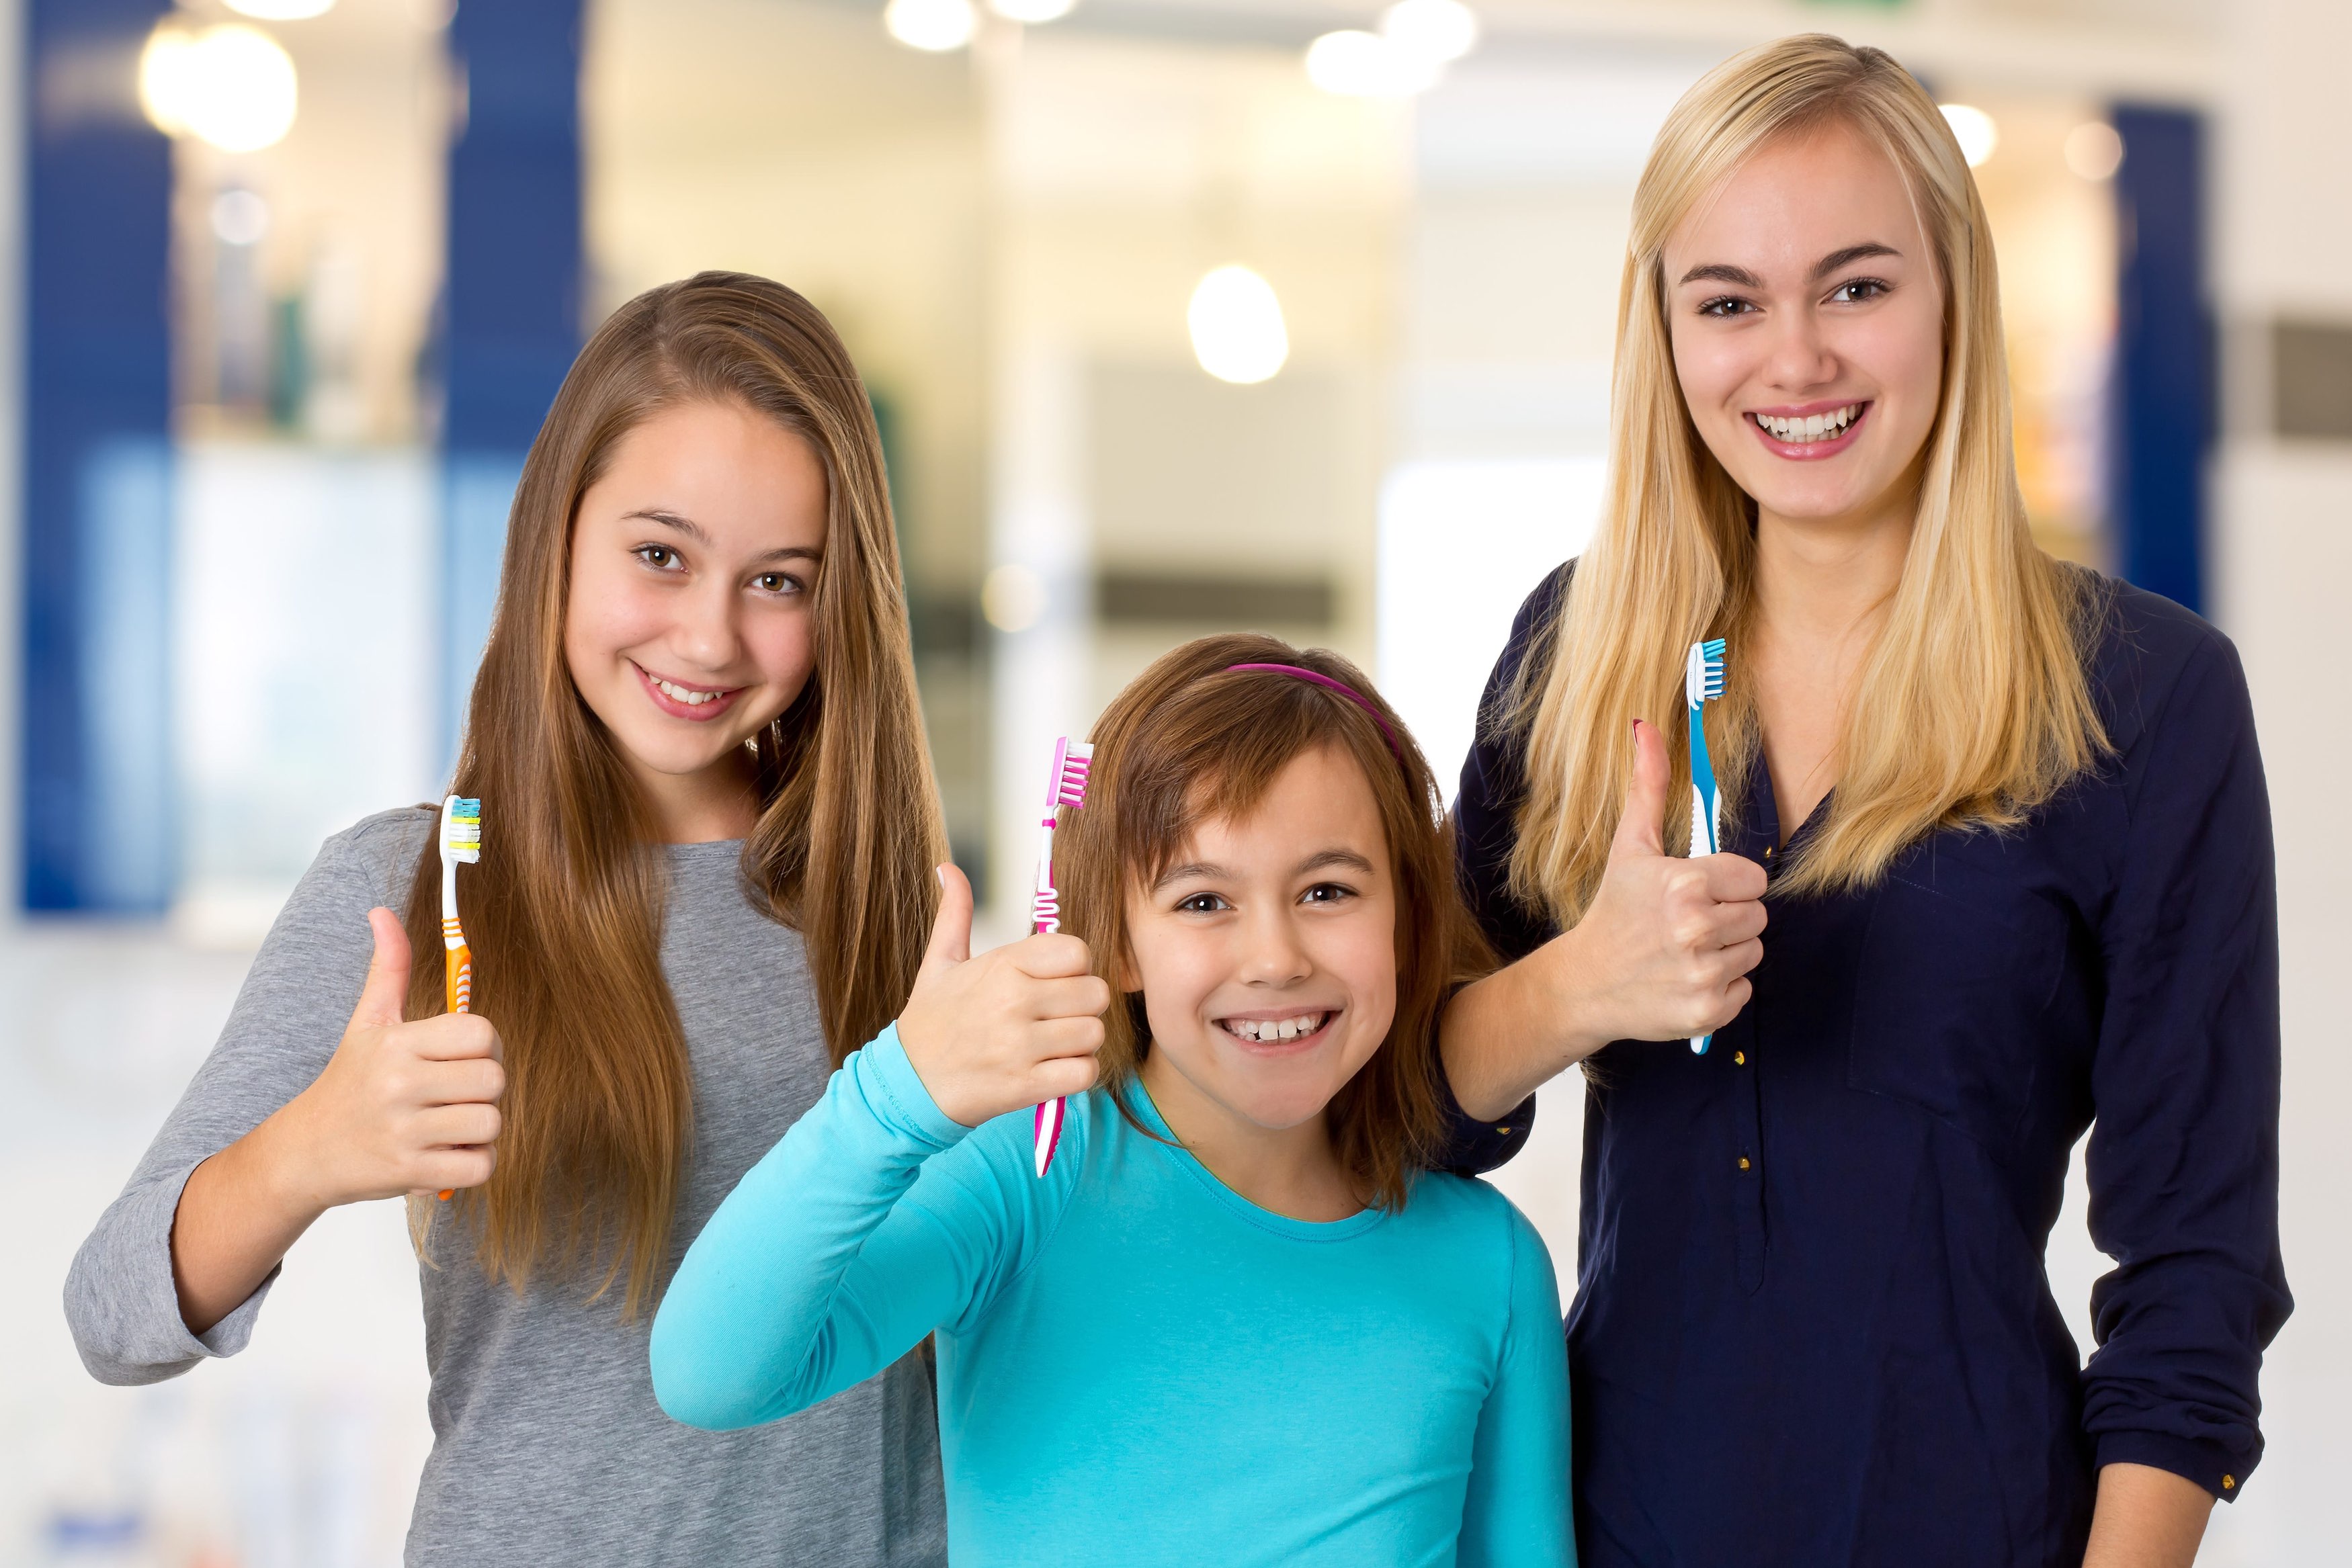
{"x":605,"y":617}
{"x":1710,"y":368}
{"x":781,"y":643}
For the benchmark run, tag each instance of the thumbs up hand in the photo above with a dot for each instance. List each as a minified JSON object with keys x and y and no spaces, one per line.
{"x":1664,"y":950}
{"x":1010,"y":1028}
{"x":401,"y":1107}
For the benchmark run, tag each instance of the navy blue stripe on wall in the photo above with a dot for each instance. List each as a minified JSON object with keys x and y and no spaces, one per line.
{"x":95,"y":829}
{"x":513,"y":288}
{"x":2162,"y":426}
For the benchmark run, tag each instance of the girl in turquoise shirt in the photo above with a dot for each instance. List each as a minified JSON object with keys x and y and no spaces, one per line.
{"x":1239,"y":1320}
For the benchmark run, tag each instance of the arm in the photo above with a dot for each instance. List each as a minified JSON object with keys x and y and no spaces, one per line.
{"x":176,"y":1268}
{"x":1517,"y":1510}
{"x":875,"y":1221}
{"x":2146,"y":1518}
{"x":2183,"y":1154}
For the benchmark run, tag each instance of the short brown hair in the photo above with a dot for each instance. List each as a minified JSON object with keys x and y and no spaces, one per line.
{"x":1191,"y":739}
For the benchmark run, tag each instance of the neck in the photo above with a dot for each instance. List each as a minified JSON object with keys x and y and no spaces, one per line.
{"x":1823,"y":581}
{"x":720,"y":803}
{"x":1291,"y":1171}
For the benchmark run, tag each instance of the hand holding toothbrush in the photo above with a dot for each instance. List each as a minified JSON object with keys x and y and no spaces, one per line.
{"x":1013,"y":1028}
{"x":1664,"y":950}
{"x":401,"y":1107}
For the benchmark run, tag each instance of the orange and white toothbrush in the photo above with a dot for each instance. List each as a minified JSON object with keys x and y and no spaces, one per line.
{"x":1068,"y":787}
{"x":461,"y":839}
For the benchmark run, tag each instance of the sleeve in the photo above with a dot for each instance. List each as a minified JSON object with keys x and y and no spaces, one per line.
{"x":2183,"y":1159}
{"x":1517,"y":1509}
{"x":119,"y":1298}
{"x":1485,"y":830}
{"x":874,"y":1221}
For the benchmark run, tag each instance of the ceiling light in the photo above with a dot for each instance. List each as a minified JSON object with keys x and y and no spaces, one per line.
{"x":231,"y":86}
{"x":240,"y":217}
{"x":1974,"y":129}
{"x":1433,"y":29}
{"x":1366,"y":65}
{"x":2093,"y":151}
{"x":1236,"y":324}
{"x":1013,"y":597}
{"x":281,"y":10}
{"x":933,"y":25}
{"x":1032,"y":11}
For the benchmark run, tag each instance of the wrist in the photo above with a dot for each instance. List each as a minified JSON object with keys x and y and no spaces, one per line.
{"x":1573,"y":999}
{"x":281,"y":1167}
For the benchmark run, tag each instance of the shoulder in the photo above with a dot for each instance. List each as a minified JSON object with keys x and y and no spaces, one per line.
{"x":2153,"y":664}
{"x":384,"y":847}
{"x":1531,"y":627}
{"x":1472,"y":1213}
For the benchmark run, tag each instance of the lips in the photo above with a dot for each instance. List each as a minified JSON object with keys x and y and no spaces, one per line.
{"x":679,"y":699}
{"x":1809,"y":433}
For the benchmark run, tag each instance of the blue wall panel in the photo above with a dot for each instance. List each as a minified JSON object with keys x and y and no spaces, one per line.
{"x":514,"y":300}
{"x":2162,"y":428}
{"x":96,"y":831}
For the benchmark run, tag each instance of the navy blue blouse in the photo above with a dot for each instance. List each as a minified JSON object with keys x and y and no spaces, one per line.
{"x":1812,"y":1324}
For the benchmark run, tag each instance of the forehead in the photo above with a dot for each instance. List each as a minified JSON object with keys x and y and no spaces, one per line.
{"x":1797,"y":199}
{"x":1318,"y":800}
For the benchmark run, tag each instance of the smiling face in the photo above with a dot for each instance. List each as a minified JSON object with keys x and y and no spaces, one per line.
{"x":689,"y":627}
{"x":1807,"y":321}
{"x":1267,"y":955}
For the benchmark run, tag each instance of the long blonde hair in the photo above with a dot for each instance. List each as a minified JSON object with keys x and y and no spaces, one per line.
{"x":563,"y":912}
{"x":1971,"y":706}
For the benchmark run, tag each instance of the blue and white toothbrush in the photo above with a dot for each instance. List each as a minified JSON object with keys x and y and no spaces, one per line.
{"x":1703,"y":684}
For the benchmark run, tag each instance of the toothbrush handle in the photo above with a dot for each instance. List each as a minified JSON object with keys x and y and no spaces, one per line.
{"x":1703,"y":841}
{"x":458,"y":982}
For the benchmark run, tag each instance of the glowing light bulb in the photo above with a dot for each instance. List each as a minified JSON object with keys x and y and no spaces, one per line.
{"x":934,"y":26}
{"x":1032,"y":11}
{"x":1236,"y":325}
{"x":232,"y":85}
{"x":1013,"y":597}
{"x":1433,"y":29}
{"x":1366,"y":65}
{"x":281,"y":10}
{"x":2093,"y":151}
{"x":1974,"y":129}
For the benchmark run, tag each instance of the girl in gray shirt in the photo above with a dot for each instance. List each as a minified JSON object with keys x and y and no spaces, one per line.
{"x":708,"y":832}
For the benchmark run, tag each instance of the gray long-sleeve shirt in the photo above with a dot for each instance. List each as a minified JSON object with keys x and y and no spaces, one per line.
{"x":548,"y":1447}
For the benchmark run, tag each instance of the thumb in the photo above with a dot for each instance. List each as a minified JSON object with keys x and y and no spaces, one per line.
{"x":1641,"y":829}
{"x":952,"y":930}
{"x":384,"y":998}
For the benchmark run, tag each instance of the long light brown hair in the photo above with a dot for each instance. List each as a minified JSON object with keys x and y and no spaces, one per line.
{"x":1192,"y":740}
{"x":564,"y":913}
{"x":1972,"y":706}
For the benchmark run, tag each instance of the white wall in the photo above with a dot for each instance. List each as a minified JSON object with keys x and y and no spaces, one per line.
{"x":2282,"y":553}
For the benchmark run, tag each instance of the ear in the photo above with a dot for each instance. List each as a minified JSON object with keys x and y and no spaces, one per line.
{"x":1123,"y":976}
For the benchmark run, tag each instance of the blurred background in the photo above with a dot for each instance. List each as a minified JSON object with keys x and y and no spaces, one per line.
{"x":1178,"y":315}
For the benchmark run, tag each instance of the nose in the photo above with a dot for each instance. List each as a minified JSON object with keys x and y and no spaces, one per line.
{"x":1799,"y":357}
{"x":1276,"y":956}
{"x":705,"y":631}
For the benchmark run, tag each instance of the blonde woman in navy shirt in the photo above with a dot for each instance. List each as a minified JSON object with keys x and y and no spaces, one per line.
{"x":2007,"y":818}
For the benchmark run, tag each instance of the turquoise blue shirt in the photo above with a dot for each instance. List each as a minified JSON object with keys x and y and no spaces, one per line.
{"x":1137,"y":1366}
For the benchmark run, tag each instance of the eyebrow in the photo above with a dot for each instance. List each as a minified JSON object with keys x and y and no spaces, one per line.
{"x":1723,"y":272}
{"x":694,"y":531}
{"x":1322,"y":859}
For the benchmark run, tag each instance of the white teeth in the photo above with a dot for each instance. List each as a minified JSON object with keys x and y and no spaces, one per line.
{"x":1268,"y":1031}
{"x":1810,"y":427}
{"x":686,"y":694}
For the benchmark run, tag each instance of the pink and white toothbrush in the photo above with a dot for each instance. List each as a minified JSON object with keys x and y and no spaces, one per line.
{"x":1068,"y":787}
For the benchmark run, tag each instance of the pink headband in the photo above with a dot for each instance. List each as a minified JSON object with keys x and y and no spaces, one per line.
{"x":1345,"y":690}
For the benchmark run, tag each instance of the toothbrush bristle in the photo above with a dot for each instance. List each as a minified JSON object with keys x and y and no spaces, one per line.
{"x":1703,"y":673}
{"x":1070,"y":781}
{"x":461,"y":829}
